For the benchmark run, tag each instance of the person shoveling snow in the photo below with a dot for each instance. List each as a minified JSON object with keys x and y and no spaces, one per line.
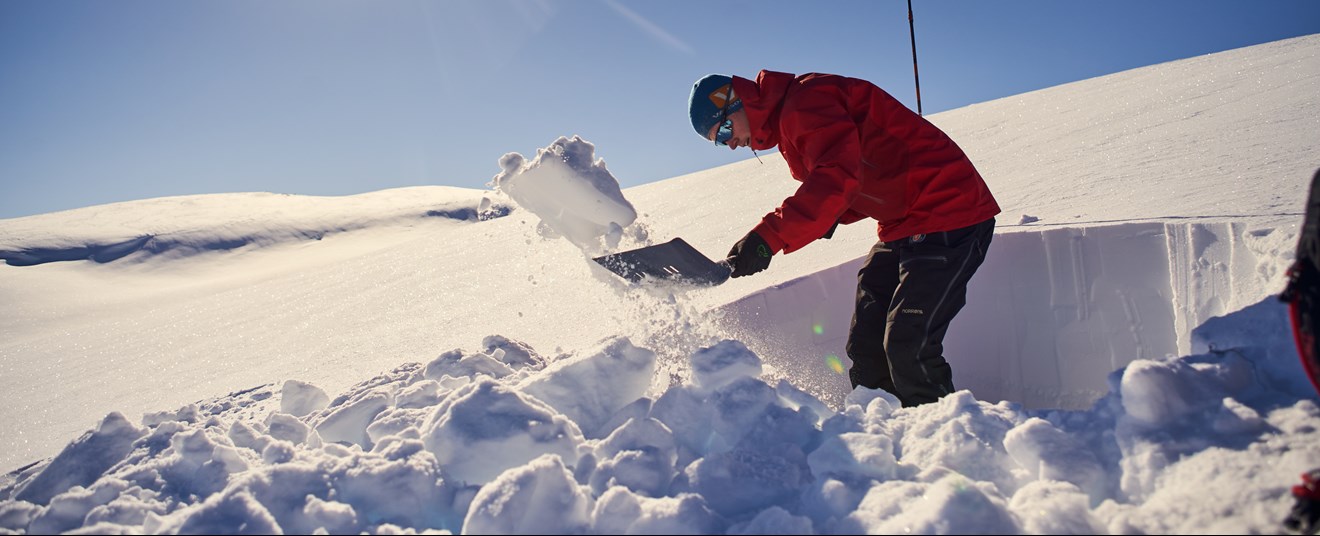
{"x":860,"y":154}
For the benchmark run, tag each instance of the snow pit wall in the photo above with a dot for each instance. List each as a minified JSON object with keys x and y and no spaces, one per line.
{"x":1049,"y":314}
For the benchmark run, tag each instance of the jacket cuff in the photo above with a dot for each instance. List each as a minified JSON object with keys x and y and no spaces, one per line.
{"x":771,"y":239}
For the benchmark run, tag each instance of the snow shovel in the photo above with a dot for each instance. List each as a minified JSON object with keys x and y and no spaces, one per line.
{"x":675,"y":260}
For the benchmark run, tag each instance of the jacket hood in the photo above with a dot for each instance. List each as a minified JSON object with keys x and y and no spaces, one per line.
{"x":763,"y":100}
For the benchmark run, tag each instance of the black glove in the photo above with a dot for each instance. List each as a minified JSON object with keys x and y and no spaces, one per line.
{"x":749,"y":255}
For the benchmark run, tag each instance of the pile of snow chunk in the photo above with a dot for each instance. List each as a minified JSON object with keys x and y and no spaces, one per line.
{"x":503,"y":440}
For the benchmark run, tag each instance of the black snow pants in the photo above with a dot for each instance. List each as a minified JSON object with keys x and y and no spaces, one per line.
{"x":908,"y":291}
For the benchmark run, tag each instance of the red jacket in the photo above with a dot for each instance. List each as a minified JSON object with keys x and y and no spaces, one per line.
{"x":859,"y":153}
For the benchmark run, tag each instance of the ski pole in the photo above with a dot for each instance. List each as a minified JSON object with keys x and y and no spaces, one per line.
{"x":913,"y":33}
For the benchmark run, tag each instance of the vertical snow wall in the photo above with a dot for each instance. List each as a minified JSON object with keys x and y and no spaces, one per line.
{"x":1049,"y":314}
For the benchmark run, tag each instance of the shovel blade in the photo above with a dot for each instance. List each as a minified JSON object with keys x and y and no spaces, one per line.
{"x":675,"y":260}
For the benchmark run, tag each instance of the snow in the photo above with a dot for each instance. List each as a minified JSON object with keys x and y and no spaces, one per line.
{"x":449,"y":360}
{"x":570,"y":190}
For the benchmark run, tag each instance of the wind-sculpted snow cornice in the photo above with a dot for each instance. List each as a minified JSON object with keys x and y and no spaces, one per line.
{"x":223,"y":237}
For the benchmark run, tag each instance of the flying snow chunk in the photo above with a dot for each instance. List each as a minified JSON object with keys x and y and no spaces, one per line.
{"x":569,"y":190}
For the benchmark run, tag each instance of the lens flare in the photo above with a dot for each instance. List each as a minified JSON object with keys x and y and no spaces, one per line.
{"x":818,"y":329}
{"x":834,"y":363}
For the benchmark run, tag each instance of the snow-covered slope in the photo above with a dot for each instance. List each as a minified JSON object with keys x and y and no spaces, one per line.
{"x":1138,"y":208}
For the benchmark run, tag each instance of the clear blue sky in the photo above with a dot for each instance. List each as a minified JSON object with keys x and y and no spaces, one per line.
{"x":131,"y":99}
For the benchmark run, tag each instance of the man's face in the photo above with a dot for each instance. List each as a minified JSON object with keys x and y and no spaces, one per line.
{"x":741,"y":130}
